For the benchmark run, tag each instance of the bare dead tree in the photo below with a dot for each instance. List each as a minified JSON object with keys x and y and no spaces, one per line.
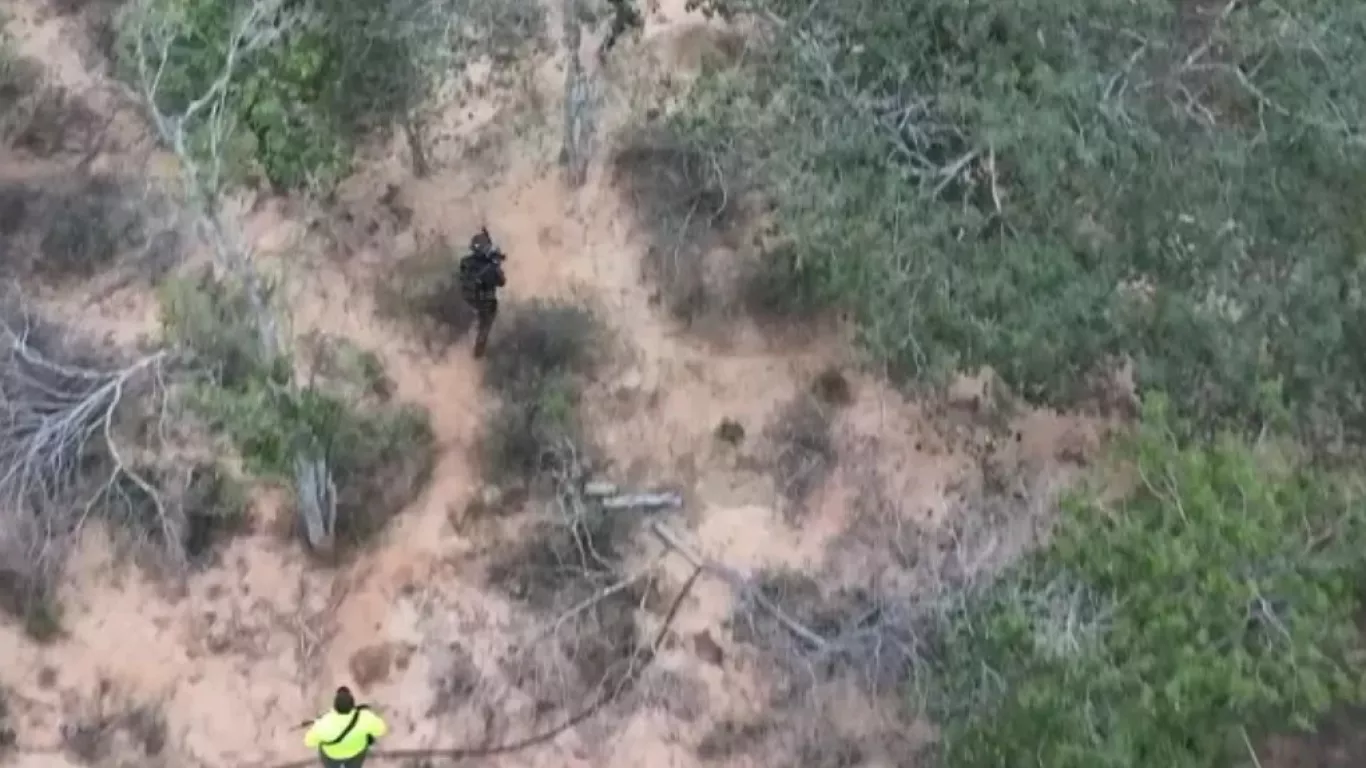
{"x":209,"y":119}
{"x":199,"y":136}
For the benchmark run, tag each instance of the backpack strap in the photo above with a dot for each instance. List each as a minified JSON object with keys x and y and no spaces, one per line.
{"x":350,"y":726}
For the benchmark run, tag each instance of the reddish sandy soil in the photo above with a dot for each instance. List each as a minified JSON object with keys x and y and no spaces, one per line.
{"x":243,"y":652}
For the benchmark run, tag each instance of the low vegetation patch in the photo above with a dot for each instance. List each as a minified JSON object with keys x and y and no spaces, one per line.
{"x":111,"y":726}
{"x":810,"y":730}
{"x":70,"y":228}
{"x":36,"y":117}
{"x":537,"y":361}
{"x":568,"y":563}
{"x":570,"y":568}
{"x":379,"y":454}
{"x":423,"y":294}
{"x":583,"y":553}
{"x":213,"y":510}
{"x":687,"y":198}
{"x":803,"y":449}
{"x":87,"y":224}
{"x":456,"y":682}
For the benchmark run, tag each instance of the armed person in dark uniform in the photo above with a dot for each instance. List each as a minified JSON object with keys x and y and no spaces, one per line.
{"x":481,"y":275}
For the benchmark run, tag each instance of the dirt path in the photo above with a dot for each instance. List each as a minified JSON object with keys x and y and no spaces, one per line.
{"x":252,"y":647}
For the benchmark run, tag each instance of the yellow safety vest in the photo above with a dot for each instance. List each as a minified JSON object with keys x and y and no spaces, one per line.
{"x":329,"y":733}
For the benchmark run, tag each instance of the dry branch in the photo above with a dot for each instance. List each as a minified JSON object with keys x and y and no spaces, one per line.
{"x":60,"y":460}
{"x":739,"y":582}
{"x":588,"y":604}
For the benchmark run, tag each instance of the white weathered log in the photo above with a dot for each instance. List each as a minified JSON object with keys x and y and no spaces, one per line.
{"x":599,"y":488}
{"x":643,"y":501}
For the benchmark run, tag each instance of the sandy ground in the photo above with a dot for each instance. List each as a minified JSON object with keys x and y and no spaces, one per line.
{"x":245,"y":651}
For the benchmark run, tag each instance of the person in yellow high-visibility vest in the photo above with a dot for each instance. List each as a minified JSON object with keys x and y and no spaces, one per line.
{"x":344,"y":735}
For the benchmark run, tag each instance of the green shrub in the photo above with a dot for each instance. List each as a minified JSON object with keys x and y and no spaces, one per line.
{"x":379,"y":454}
{"x":528,"y":432}
{"x":1219,"y":595}
{"x":346,"y":365}
{"x":213,"y":320}
{"x":215,"y":508}
{"x":380,"y":464}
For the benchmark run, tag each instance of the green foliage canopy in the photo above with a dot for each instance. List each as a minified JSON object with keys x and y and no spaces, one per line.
{"x":1050,"y":187}
{"x":295,"y":106}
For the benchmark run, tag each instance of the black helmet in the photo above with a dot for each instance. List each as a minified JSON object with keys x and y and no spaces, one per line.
{"x":481,"y":242}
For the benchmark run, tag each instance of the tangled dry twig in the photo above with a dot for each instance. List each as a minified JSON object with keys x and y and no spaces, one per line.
{"x":60,"y":458}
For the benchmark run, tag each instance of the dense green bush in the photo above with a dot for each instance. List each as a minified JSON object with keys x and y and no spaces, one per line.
{"x":1047,"y":188}
{"x":1217,"y":598}
{"x":379,"y":454}
{"x":213,"y":321}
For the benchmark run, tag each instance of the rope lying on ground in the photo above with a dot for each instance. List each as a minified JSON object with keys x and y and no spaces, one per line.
{"x":639,"y":662}
{"x":641,"y":657}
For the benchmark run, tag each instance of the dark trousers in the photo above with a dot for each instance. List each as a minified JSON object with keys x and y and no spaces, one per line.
{"x":351,"y":762}
{"x":484,"y":312}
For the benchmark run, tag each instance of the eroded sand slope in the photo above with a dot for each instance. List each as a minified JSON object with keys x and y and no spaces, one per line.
{"x":245,"y":651}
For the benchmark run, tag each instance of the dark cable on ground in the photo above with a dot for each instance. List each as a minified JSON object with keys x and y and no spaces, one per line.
{"x":456,"y":754}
